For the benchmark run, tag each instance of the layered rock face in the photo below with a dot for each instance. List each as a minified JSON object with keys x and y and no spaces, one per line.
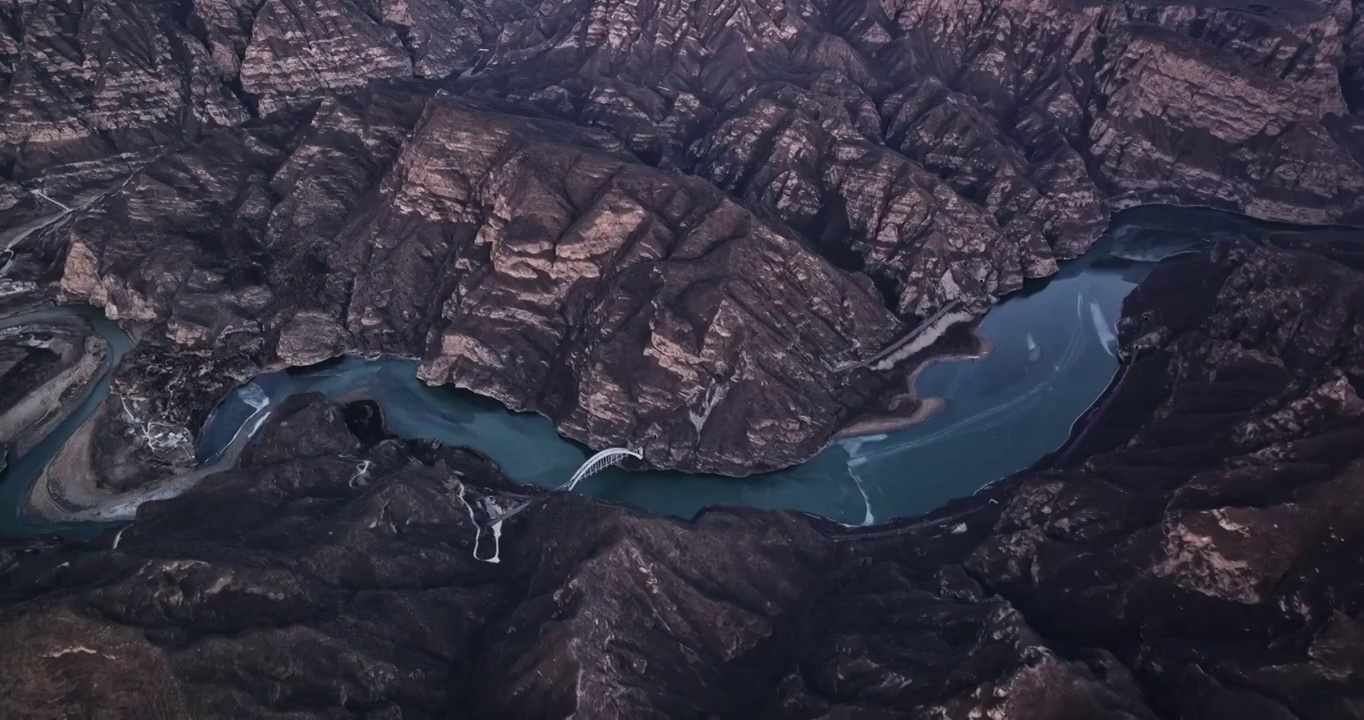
{"x":546,"y":269}
{"x":1192,"y":552}
{"x":268,"y":182}
{"x":658,"y":223}
{"x":101,"y":84}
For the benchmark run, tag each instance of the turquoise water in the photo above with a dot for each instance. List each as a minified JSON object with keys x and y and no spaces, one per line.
{"x":22,"y":471}
{"x":1053,"y":356}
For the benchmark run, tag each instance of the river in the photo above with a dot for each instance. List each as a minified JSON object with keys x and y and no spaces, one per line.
{"x":1054,"y":353}
{"x":24,"y":470}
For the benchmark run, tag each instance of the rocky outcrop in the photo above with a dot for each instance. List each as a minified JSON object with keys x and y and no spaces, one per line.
{"x":618,"y":300}
{"x":952,"y":149}
{"x":525,"y":259}
{"x":1191,"y":552}
{"x":590,"y":208}
{"x":101,"y":83}
{"x":302,"y":49}
{"x":364,"y":596}
{"x":658,"y":223}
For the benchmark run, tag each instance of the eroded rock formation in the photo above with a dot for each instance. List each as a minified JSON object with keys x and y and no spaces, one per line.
{"x":658,"y":223}
{"x":1192,"y":552}
{"x":659,"y":184}
{"x":546,"y":269}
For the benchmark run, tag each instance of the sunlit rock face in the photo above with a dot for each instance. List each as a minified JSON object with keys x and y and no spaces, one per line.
{"x":89,"y":82}
{"x":525,"y":259}
{"x":301,"y":49}
{"x":1192,"y":552}
{"x":960,"y":147}
{"x":621,"y":301}
{"x":638,"y":218}
{"x":657,"y":223}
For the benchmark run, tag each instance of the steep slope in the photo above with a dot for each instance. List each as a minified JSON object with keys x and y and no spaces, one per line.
{"x":1191,"y":553}
{"x":661,"y":223}
{"x":257,"y":183}
{"x":528,"y":260}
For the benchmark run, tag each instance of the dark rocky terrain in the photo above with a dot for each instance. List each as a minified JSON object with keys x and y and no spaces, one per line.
{"x":663,"y":224}
{"x":1193,"y":552}
{"x":654,"y":222}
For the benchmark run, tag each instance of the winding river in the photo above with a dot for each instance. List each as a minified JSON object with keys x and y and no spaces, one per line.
{"x":20,"y":475}
{"x":1054,"y":353}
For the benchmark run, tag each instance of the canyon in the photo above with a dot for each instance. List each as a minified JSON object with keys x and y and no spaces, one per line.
{"x":608,"y":214}
{"x":683,"y":228}
{"x":1190,"y":552}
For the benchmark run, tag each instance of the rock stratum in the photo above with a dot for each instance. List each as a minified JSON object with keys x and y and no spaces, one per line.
{"x":658,"y":223}
{"x":1192,"y":552}
{"x":666,"y":224}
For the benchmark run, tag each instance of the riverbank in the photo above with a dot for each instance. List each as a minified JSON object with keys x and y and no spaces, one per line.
{"x":47,"y":367}
{"x":918,"y":409}
{"x":72,"y":408}
{"x":68,"y":492}
{"x":1041,"y":359}
{"x":951,"y":394}
{"x":331,"y":540}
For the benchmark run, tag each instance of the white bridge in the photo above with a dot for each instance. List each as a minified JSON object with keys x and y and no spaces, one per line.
{"x":593,"y":465}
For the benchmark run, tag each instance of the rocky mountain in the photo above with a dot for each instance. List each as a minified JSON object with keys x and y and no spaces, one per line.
{"x":1192,"y":552}
{"x":657,"y":223}
{"x":670,"y":224}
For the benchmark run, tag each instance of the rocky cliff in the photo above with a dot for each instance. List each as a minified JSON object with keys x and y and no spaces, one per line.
{"x":653,"y":222}
{"x":1192,"y":552}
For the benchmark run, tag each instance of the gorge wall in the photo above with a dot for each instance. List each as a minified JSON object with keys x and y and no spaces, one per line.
{"x":1191,"y":553}
{"x":662,"y":224}
{"x":656,"y":223}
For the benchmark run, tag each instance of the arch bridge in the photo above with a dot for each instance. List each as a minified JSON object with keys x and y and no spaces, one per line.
{"x":593,"y":465}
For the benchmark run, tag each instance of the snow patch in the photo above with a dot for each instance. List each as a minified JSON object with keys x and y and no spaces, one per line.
{"x":926,"y":337}
{"x":253,"y":395}
{"x":361,"y":476}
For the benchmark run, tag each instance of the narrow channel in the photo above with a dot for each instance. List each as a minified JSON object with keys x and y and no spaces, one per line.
{"x":18,"y":478}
